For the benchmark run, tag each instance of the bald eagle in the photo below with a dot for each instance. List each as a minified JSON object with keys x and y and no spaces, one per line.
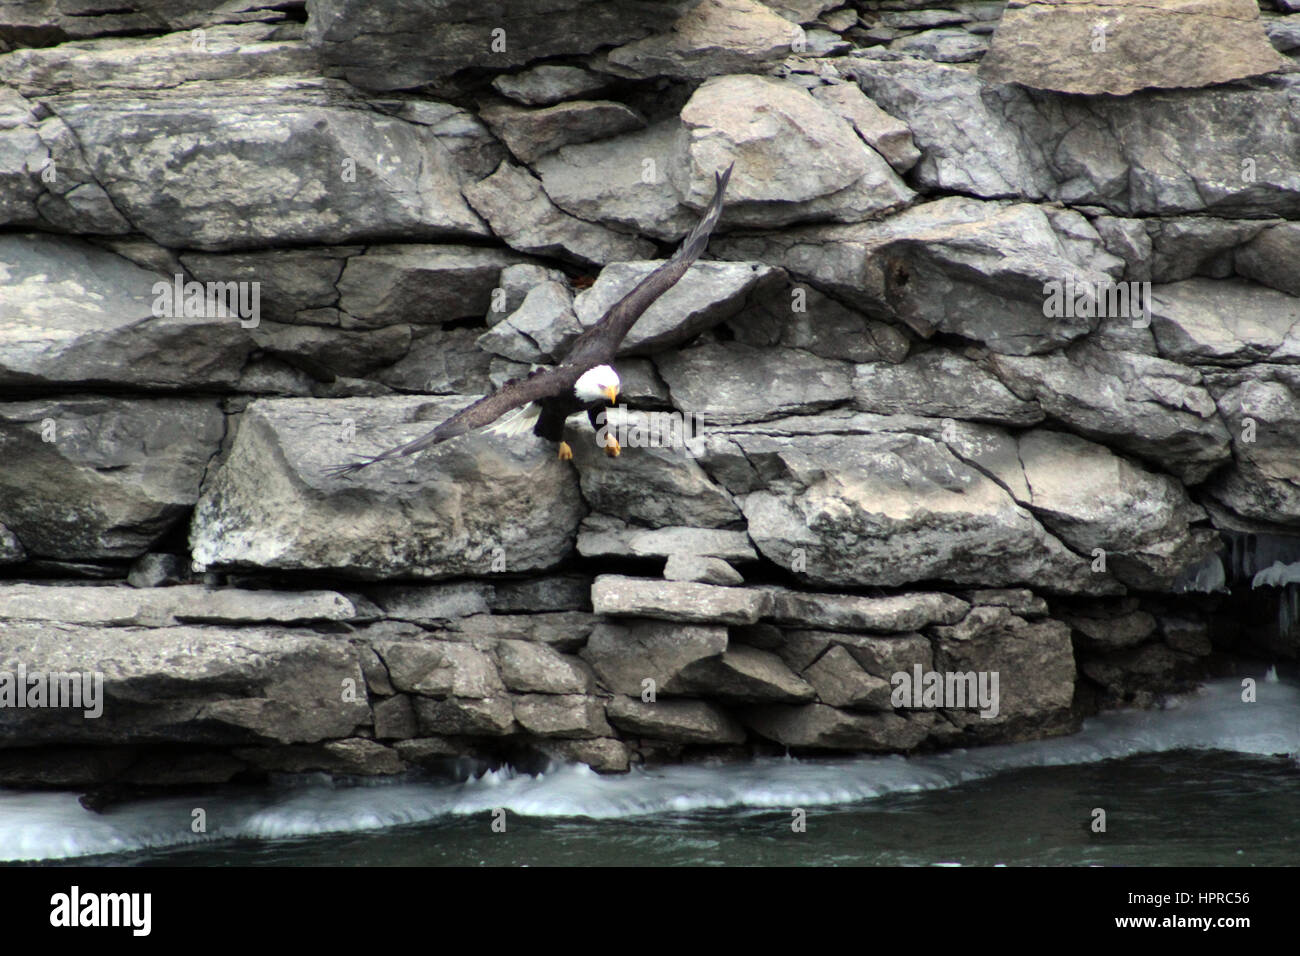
{"x":586,"y":379}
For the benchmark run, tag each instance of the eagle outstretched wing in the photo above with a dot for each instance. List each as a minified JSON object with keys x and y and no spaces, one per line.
{"x":537,"y":385}
{"x":599,"y":344}
{"x":596,"y":346}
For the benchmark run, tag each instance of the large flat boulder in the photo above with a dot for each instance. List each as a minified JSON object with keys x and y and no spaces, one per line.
{"x":393,"y":48}
{"x":76,"y":314}
{"x":1095,"y":46}
{"x":1137,"y":155}
{"x":246,"y":163}
{"x":188,"y":685}
{"x":954,"y":265}
{"x":476,"y":505}
{"x":896,"y":508}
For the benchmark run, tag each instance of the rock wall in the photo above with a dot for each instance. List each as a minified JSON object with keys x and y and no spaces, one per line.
{"x":925,"y":429}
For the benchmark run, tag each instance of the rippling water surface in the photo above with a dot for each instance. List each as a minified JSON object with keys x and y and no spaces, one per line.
{"x":1208,"y":780}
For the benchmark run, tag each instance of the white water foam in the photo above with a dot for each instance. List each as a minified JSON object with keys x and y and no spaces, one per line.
{"x":36,"y":826}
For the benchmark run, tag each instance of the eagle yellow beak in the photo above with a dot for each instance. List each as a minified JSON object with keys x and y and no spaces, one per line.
{"x":611,"y":392}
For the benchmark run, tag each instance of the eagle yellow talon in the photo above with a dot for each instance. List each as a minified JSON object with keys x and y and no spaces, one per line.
{"x":566,"y":453}
{"x":612,"y":447}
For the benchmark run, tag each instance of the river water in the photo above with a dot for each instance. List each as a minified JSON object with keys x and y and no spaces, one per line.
{"x":1208,"y":780}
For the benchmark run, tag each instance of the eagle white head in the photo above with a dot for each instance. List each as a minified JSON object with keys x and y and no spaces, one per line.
{"x":597,"y":384}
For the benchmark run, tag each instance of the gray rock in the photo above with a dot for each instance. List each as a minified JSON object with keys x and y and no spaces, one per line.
{"x":161,"y":607}
{"x":841,"y":682}
{"x":1128,"y":239}
{"x":604,"y":536}
{"x":294,"y":285}
{"x":1020,"y":601}
{"x":819,"y":727}
{"x":955,"y":265}
{"x":440,"y":362}
{"x":947,"y":45}
{"x":1093,"y":499}
{"x":515,"y":282}
{"x":940,"y":384}
{"x":603,"y":755}
{"x":432,"y":604}
{"x":658,"y":487}
{"x":745,"y":674}
{"x":394,"y":49}
{"x":713,"y":37}
{"x":1148,"y":668}
{"x":440,"y":669}
{"x":271,"y":506}
{"x":1113,"y":628}
{"x":1263,"y":484}
{"x":1081,"y":47}
{"x":897,"y":508}
{"x":732,"y":382}
{"x":94,"y":323}
{"x":566,"y":631}
{"x":562,"y":715}
{"x":693,"y":567}
{"x":773,"y":185}
{"x":682,"y":721}
{"x":395,"y":718}
{"x":1035,"y":666}
{"x":1150,"y":407}
{"x":536,"y":668}
{"x":1135,"y":154}
{"x":844,"y":612}
{"x":884,"y":657}
{"x":353,"y":756}
{"x":800,"y":317}
{"x":328,"y":353}
{"x":242,"y":51}
{"x":709,"y":293}
{"x":113,"y":477}
{"x":541,"y":330}
{"x":1265,"y":259}
{"x":471,"y":144}
{"x":801,"y":11}
{"x":617,"y":595}
{"x":11,"y":549}
{"x":625,"y":655}
{"x":549,"y":83}
{"x":188,"y":685}
{"x":1189,"y":246}
{"x":423,"y":284}
{"x":561,"y":592}
{"x":607,"y":183}
{"x":520,"y":212}
{"x":887,"y":135}
{"x":531,"y":134}
{"x":1226,"y":323}
{"x":263,"y":181}
{"x":493,"y":717}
